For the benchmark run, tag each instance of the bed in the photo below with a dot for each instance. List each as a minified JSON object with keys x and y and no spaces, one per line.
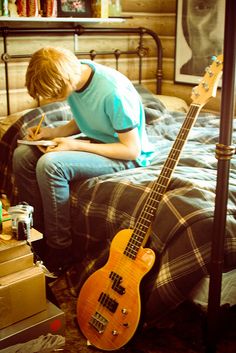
{"x":181,"y":232}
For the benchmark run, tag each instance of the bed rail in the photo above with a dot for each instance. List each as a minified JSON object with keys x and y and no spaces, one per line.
{"x":78,"y":31}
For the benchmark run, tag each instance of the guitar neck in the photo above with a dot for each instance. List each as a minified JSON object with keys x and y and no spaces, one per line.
{"x":160,"y":185}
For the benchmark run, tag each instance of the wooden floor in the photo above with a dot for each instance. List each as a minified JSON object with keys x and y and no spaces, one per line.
{"x":183,"y":332}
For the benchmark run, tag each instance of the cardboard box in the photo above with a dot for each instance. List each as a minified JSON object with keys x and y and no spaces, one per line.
{"x":46,"y":327}
{"x":17,"y":264}
{"x":22,"y":294}
{"x":12,"y":249}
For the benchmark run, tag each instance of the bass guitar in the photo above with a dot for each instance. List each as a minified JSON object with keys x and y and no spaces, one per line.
{"x":109,"y":303}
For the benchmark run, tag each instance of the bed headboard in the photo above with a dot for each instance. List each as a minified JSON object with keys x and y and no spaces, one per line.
{"x":141,"y":44}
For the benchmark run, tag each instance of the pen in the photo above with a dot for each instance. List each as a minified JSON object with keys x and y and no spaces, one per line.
{"x":39,"y":125}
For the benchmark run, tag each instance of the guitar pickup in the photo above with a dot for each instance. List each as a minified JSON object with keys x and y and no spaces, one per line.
{"x":108,"y":302}
{"x":116,"y":286}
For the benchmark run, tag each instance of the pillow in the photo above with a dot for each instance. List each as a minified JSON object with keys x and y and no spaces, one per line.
{"x":173,"y":103}
{"x":156,"y":105}
{"x":153,"y":107}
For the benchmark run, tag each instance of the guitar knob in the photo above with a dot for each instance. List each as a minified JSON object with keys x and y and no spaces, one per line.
{"x":124,"y":311}
{"x":114,"y":333}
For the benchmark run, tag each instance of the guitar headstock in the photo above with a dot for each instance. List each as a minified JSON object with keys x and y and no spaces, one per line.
{"x":207,"y":88}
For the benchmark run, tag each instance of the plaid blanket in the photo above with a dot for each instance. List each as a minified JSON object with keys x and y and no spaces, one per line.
{"x":182,"y":228}
{"x":56,"y":114}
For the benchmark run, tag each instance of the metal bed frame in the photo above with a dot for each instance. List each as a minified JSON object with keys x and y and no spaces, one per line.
{"x":224,"y":152}
{"x":78,"y":31}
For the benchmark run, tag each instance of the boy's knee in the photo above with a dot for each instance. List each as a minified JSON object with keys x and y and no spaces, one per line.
{"x":46,"y":164}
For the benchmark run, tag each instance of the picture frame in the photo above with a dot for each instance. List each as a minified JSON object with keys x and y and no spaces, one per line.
{"x":74,"y":8}
{"x":199,"y":37}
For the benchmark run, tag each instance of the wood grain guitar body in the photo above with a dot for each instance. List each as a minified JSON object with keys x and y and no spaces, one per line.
{"x":109,"y":305}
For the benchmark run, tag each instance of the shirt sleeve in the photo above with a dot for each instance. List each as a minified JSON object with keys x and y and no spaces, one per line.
{"x":123,"y":109}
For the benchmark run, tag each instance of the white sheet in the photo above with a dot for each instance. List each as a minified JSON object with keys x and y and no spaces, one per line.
{"x":199,"y":294}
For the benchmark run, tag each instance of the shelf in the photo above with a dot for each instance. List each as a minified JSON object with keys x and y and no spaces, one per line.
{"x":61,"y":19}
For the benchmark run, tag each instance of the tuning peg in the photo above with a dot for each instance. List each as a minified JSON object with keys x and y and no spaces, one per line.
{"x":195,"y":92}
{"x":205,"y":85}
{"x":217,"y":61}
{"x":209,"y":71}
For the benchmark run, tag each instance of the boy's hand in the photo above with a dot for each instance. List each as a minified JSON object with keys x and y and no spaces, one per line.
{"x":45,"y":133}
{"x":67,"y":144}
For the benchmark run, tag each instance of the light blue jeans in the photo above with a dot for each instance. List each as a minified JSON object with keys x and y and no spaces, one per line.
{"x":43,"y":180}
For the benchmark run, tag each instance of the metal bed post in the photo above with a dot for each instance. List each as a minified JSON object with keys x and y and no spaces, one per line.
{"x":5,"y":58}
{"x":224,"y":153}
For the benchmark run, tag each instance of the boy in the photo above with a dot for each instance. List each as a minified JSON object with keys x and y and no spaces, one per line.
{"x":108,"y":110}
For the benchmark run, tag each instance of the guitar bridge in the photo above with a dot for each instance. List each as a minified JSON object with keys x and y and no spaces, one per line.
{"x":99,"y":322}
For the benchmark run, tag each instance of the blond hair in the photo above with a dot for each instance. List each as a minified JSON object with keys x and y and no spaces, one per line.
{"x":52,"y":73}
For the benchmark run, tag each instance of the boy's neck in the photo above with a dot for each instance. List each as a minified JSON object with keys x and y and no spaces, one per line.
{"x":85,"y":74}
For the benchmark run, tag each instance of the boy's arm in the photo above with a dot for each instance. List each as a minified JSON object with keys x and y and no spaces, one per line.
{"x":128,"y":147}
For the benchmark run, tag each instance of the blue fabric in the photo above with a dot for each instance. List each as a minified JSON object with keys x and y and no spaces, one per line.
{"x":110,"y":104}
{"x":44,"y":182}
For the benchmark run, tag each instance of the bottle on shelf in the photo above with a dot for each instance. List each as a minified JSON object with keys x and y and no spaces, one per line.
{"x":115,"y":8}
{"x":100,"y":8}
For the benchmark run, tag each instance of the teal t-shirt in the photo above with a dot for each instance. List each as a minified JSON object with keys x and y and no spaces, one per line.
{"x":108,"y":105}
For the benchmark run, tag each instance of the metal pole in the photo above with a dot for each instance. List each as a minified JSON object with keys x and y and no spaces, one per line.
{"x":224,"y":152}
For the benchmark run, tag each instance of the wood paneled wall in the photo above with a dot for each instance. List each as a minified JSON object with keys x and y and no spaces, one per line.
{"x":157,"y":15}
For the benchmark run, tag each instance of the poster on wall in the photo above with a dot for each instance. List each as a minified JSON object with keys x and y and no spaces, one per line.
{"x":199,"y":37}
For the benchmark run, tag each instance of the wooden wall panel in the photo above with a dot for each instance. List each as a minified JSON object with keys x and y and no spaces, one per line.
{"x":159,"y":23}
{"x":154,"y":6}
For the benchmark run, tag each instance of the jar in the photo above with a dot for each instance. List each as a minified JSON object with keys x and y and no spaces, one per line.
{"x":114,"y":8}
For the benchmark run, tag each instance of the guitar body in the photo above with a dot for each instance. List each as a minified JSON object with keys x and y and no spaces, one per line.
{"x":109,"y":305}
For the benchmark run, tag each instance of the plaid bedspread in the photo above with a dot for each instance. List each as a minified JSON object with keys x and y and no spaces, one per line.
{"x":182,"y":228}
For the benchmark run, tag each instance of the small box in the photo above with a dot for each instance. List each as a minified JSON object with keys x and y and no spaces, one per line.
{"x":42,"y":329}
{"x":19,"y":263}
{"x":12,"y":249}
{"x":22,"y":294}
